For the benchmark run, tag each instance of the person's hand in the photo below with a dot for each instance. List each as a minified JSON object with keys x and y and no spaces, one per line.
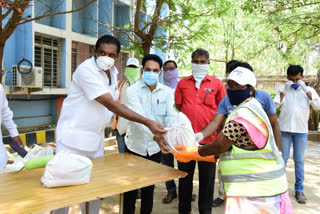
{"x":199,"y":137}
{"x":18,"y":140}
{"x":287,"y":86}
{"x":303,"y":86}
{"x":162,"y":143}
{"x":156,"y":128}
{"x":188,"y":153}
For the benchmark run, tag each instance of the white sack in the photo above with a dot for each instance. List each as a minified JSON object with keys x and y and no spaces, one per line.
{"x":180,"y":133}
{"x":67,"y":169}
{"x":19,"y":161}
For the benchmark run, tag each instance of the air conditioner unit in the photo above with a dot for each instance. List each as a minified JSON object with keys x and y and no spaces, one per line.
{"x":33,"y":79}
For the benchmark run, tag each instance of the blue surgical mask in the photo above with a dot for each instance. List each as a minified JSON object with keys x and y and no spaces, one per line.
{"x":150,"y":77}
{"x":295,"y":86}
{"x":237,"y":97}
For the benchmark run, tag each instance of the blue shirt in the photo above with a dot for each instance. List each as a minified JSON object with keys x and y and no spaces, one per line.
{"x":263,"y":97}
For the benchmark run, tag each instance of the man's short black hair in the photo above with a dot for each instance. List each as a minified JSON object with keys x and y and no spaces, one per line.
{"x":168,"y":61}
{"x":246,"y":65}
{"x":231,"y":65}
{"x":200,"y":52}
{"x":108,"y":39}
{"x":294,"y":70}
{"x":152,"y":57}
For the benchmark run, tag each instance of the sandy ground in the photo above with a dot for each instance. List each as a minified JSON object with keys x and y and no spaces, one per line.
{"x":110,"y":205}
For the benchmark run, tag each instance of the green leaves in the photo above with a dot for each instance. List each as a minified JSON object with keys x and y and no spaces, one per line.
{"x":267,"y":34}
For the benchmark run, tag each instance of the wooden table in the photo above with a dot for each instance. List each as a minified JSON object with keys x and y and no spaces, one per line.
{"x":111,"y":175}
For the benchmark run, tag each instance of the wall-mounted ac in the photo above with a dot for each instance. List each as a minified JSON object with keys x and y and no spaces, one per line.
{"x":33,"y":79}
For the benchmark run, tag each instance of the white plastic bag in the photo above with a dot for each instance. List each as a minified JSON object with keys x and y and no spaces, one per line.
{"x":180,"y":133}
{"x":35,"y":152}
{"x":67,"y":169}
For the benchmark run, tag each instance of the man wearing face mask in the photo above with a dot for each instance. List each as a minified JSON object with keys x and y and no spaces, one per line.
{"x":132,"y":74}
{"x":295,"y":99}
{"x":152,"y":100}
{"x":170,"y":74}
{"x":198,"y":96}
{"x":89,"y":107}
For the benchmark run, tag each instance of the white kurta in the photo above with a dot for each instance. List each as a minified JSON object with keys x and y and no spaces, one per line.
{"x":83,"y":120}
{"x":5,"y":119}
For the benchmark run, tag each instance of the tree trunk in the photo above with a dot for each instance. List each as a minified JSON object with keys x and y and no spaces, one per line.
{"x":146,"y":46}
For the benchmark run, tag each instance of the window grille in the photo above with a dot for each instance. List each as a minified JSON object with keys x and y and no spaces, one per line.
{"x":47,"y":55}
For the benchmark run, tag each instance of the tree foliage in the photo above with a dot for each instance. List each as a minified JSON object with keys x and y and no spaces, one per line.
{"x":162,"y":15}
{"x":260,"y":32}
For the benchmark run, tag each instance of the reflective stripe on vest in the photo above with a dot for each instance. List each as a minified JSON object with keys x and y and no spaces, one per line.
{"x":115,"y":117}
{"x":253,"y":177}
{"x":253,"y":173}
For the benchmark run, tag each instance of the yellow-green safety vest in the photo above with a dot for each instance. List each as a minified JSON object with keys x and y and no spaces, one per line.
{"x":253,"y":173}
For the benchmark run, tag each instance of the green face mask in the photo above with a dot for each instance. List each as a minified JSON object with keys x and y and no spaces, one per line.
{"x":132,"y":74}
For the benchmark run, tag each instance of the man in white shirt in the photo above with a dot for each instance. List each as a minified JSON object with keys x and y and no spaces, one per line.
{"x":294,"y":99}
{"x":6,"y":119}
{"x":152,"y":100}
{"x":90,"y":105}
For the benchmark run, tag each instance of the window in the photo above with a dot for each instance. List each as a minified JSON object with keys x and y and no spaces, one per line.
{"x":47,"y":55}
{"x":80,"y":52}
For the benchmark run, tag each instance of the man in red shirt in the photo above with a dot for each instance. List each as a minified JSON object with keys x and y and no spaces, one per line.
{"x":198,"y":96}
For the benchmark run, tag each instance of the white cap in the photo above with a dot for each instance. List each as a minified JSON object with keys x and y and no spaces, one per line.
{"x":242,"y":76}
{"x":133,"y":61}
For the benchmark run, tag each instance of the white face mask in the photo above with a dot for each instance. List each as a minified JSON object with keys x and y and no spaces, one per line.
{"x":105,"y":62}
{"x":199,"y":72}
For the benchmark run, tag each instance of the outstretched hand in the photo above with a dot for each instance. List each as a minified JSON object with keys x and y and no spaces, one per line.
{"x":156,"y":128}
{"x":162,"y":143}
{"x":188,"y":153}
{"x":18,"y":140}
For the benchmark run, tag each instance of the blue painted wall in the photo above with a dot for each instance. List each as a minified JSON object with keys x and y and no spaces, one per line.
{"x":35,"y":110}
{"x":44,"y":6}
{"x":84,"y":21}
{"x":19,"y":45}
{"x":122,"y":17}
{"x":105,"y":16}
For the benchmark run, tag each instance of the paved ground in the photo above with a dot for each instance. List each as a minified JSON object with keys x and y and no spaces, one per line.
{"x":312,"y":190}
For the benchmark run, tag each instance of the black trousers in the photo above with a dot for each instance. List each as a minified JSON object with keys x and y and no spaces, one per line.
{"x":168,"y":160}
{"x":206,"y":186}
{"x":129,"y":198}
